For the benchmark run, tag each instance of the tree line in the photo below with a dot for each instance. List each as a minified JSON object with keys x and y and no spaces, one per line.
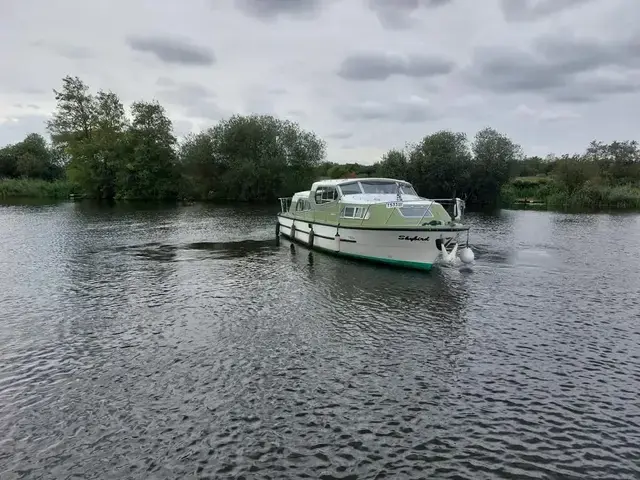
{"x":104,"y":153}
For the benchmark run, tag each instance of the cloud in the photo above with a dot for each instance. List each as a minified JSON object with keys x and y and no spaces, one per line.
{"x":277,"y":91}
{"x":207,"y":109}
{"x":564,"y":68}
{"x":71,"y":52}
{"x":545,"y":115}
{"x":413,"y":110}
{"x":165,"y":82}
{"x":381,"y":66}
{"x":532,"y":10}
{"x":30,"y":106}
{"x":183,"y":93}
{"x":13,"y":129}
{"x":190,"y":98}
{"x":182,"y":127}
{"x":397,"y":14}
{"x":343,"y":135}
{"x":597,"y":87}
{"x":370,"y":75}
{"x":272,"y":9}
{"x":296,"y":114}
{"x":172,"y":50}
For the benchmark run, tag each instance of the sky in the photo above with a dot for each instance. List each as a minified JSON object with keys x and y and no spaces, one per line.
{"x":365,"y":75}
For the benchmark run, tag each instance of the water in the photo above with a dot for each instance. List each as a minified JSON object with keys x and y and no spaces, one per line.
{"x":184,"y":343}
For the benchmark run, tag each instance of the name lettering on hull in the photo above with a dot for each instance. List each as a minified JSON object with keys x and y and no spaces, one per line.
{"x":415,"y":238}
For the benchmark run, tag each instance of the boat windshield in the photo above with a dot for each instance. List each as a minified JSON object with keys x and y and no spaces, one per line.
{"x":377,"y":186}
{"x":350,"y":188}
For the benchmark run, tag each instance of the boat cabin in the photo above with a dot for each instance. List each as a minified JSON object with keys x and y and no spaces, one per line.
{"x":376,"y":200}
{"x":353,"y":190}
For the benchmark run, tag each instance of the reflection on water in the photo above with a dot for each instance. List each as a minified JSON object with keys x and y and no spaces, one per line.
{"x":212,"y":250}
{"x":161,"y":342}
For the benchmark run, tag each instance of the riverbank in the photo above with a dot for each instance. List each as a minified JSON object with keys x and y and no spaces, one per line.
{"x":546,"y":192}
{"x":35,"y":188}
{"x":538,"y":192}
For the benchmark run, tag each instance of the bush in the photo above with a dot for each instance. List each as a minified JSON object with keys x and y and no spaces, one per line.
{"x":33,"y":188}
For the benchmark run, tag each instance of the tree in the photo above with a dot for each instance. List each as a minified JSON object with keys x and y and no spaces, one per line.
{"x":75,"y":116}
{"x":339,"y":171}
{"x":618,"y":162}
{"x":90,"y":131}
{"x":439,"y":166}
{"x":8,"y":162}
{"x":256,"y":157}
{"x":201,"y":168}
{"x":394,"y":164}
{"x":259,"y":157}
{"x":493,"y":154}
{"x":573,"y":171}
{"x":33,"y":157}
{"x":30,"y":158}
{"x":147,"y":169}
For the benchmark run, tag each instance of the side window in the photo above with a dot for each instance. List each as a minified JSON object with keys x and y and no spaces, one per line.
{"x":326,"y":195}
{"x":354,"y":212}
{"x":303,"y":205}
{"x":331,"y":195}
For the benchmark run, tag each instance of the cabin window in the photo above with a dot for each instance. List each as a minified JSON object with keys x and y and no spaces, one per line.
{"x":382,"y":187}
{"x":416,"y":211}
{"x":353,"y":212}
{"x":407,"y":189}
{"x":326,"y":195}
{"x":350,"y":188}
{"x":303,"y":205}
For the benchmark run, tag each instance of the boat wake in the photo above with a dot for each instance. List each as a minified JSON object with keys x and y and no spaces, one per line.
{"x":213,"y":250}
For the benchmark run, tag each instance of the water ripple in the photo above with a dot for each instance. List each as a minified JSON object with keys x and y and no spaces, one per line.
{"x":187,"y":343}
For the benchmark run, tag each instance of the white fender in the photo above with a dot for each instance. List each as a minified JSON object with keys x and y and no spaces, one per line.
{"x":466,"y":255}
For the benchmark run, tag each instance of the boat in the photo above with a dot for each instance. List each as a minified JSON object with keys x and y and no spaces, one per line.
{"x":378,"y":219}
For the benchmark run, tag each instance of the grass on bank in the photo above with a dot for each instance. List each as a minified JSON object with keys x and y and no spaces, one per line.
{"x":548,"y":191}
{"x":34,"y":188}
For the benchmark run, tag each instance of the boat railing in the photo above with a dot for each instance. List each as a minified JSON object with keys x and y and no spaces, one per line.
{"x":285,"y":203}
{"x":456,"y":206}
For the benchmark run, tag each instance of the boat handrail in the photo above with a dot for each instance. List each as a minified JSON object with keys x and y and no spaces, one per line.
{"x":365,"y":215}
{"x":458,"y":205}
{"x":285,"y":203}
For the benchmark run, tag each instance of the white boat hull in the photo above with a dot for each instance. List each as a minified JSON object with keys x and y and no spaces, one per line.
{"x":402,"y":247}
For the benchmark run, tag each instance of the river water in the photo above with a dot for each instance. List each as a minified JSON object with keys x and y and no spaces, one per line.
{"x":165,"y":342}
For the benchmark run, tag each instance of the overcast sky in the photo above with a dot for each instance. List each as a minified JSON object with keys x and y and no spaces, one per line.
{"x":366,"y":75}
